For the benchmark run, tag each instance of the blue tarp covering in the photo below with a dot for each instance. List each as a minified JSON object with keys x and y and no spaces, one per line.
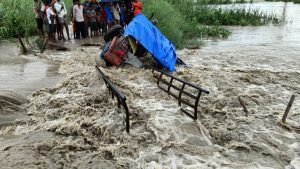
{"x":153,"y":40}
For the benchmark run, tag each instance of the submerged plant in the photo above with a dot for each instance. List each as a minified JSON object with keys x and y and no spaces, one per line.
{"x":211,"y":15}
{"x":213,"y":31}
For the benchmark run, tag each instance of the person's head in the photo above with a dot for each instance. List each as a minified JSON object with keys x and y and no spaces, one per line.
{"x":36,"y":1}
{"x":46,"y":3}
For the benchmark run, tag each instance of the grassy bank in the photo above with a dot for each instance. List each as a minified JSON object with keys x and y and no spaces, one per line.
{"x":17,"y":17}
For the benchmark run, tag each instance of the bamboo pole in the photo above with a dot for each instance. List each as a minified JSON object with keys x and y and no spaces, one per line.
{"x":288,"y":108}
{"x":44,"y":45}
{"x":243,"y":105}
{"x":24,"y":49}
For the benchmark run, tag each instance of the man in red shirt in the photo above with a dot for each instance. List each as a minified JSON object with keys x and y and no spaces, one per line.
{"x":137,"y":7}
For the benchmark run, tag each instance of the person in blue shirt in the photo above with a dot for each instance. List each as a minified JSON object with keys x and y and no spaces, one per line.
{"x":109,"y":16}
{"x":122,"y":14}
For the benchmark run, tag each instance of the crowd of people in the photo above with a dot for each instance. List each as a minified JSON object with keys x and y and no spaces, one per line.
{"x":90,"y":18}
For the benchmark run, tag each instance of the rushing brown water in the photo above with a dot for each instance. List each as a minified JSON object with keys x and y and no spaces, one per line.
{"x":24,"y":74}
{"x":75,"y":124}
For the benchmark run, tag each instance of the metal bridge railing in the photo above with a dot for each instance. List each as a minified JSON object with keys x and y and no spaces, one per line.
{"x":121,"y":98}
{"x":191,"y":98}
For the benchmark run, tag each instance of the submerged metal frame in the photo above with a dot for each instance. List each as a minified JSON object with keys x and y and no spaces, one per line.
{"x":114,"y":91}
{"x":180,"y":90}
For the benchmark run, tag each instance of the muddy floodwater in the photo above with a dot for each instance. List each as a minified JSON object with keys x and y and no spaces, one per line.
{"x":76,"y":124}
{"x":24,"y":74}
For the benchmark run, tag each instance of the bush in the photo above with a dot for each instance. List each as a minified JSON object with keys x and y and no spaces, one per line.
{"x":17,"y":17}
{"x":170,"y":21}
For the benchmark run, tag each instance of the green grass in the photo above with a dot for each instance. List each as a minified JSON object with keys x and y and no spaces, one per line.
{"x":171,"y":21}
{"x":213,"y":31}
{"x":210,"y":15}
{"x":17,"y":17}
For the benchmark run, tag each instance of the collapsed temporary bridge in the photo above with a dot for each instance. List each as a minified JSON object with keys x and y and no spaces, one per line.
{"x":163,"y":51}
{"x":188,"y":94}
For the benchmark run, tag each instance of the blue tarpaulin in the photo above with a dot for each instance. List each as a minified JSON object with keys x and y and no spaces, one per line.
{"x":153,"y":40}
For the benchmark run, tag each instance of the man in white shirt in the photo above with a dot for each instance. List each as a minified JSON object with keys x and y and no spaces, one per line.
{"x":79,"y":19}
{"x":52,"y":23}
{"x":61,"y":12}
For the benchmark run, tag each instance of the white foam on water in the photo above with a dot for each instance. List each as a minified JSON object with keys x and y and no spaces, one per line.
{"x":296,"y":163}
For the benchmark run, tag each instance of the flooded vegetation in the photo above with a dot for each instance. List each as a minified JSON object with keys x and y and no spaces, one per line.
{"x":209,"y":15}
{"x":196,"y":19}
{"x":76,"y":124}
